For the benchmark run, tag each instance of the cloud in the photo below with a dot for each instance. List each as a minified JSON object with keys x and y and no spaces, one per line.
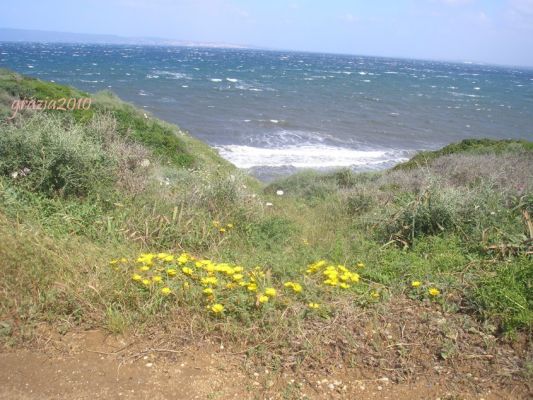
{"x":520,"y":14}
{"x":483,"y":17}
{"x":350,"y":18}
{"x":524,"y":7}
{"x":455,"y":2}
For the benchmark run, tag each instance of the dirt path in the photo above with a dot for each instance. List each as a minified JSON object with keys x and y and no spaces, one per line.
{"x":87,"y":366}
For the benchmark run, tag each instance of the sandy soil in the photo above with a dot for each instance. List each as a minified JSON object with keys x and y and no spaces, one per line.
{"x":93,"y":365}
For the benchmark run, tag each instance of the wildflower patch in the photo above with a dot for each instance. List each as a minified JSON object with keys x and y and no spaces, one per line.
{"x":224,"y":288}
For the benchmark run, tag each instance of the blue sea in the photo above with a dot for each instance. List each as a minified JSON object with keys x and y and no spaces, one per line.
{"x":275,"y":112}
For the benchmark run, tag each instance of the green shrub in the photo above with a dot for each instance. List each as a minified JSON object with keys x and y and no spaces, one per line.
{"x":358,"y":203}
{"x":429,"y":213}
{"x":271,"y":232}
{"x":471,"y":146}
{"x":43,"y":155}
{"x":506,"y":295}
{"x":157,"y":137}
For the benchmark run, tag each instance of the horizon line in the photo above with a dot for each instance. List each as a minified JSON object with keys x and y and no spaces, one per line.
{"x":233,"y":46}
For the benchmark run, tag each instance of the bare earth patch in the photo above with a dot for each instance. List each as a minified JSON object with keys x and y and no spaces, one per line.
{"x":407,"y":350}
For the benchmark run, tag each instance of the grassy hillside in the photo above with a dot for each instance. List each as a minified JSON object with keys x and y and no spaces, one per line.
{"x":113,"y":219}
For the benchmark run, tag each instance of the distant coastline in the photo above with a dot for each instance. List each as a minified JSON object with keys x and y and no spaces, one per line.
{"x":42,"y":36}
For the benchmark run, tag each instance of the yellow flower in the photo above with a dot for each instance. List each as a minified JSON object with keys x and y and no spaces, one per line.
{"x":187,"y":270}
{"x":209,"y":281}
{"x":144,"y":268}
{"x":344,"y":285}
{"x":360,"y":265}
{"x":314,"y":305}
{"x":166,"y":291}
{"x":252,"y":287}
{"x":146,"y":282}
{"x":222,"y":230}
{"x":216,"y":223}
{"x":374,"y":294}
{"x":208,"y":291}
{"x":229,"y":226}
{"x":434,"y":292}
{"x":217,"y":308}
{"x":146,"y":259}
{"x":171,"y":272}
{"x":416,"y":284}
{"x":113,"y":262}
{"x":157,"y":279}
{"x":136,"y":277}
{"x":168,"y":258}
{"x":331,"y":272}
{"x":237,"y":277}
{"x":263,"y":299}
{"x":183,"y":258}
{"x":270,"y":292}
{"x":238,"y":269}
{"x":296,"y":287}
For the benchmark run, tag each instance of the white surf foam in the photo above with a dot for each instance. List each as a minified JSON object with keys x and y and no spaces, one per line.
{"x":173,"y":75}
{"x":306,"y":156}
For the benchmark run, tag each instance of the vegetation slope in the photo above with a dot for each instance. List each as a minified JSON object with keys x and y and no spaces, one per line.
{"x":110,"y":218}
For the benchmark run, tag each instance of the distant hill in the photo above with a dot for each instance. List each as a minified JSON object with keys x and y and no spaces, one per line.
{"x":30,"y":35}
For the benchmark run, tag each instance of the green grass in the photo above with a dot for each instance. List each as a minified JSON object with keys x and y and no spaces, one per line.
{"x":111,"y":183}
{"x":467,"y":146}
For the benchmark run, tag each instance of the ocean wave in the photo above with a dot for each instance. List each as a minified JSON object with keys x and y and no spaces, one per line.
{"x":247,"y":86}
{"x":457,"y":94}
{"x":173,"y":75}
{"x":288,"y":137}
{"x":308,"y":156}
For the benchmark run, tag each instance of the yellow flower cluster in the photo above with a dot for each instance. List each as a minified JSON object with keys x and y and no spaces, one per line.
{"x":432,"y":291}
{"x":225,"y":288}
{"x":296,"y":287}
{"x":334,"y":275}
{"x":221,"y":227}
{"x":184,"y":272}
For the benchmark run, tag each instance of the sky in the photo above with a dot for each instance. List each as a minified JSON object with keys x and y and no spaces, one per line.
{"x":491,"y":31}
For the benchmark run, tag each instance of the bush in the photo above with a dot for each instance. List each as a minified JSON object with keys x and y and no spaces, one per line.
{"x":429,"y":213}
{"x":506,"y":295}
{"x":43,"y":155}
{"x":271,"y":232}
{"x":358,"y":203}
